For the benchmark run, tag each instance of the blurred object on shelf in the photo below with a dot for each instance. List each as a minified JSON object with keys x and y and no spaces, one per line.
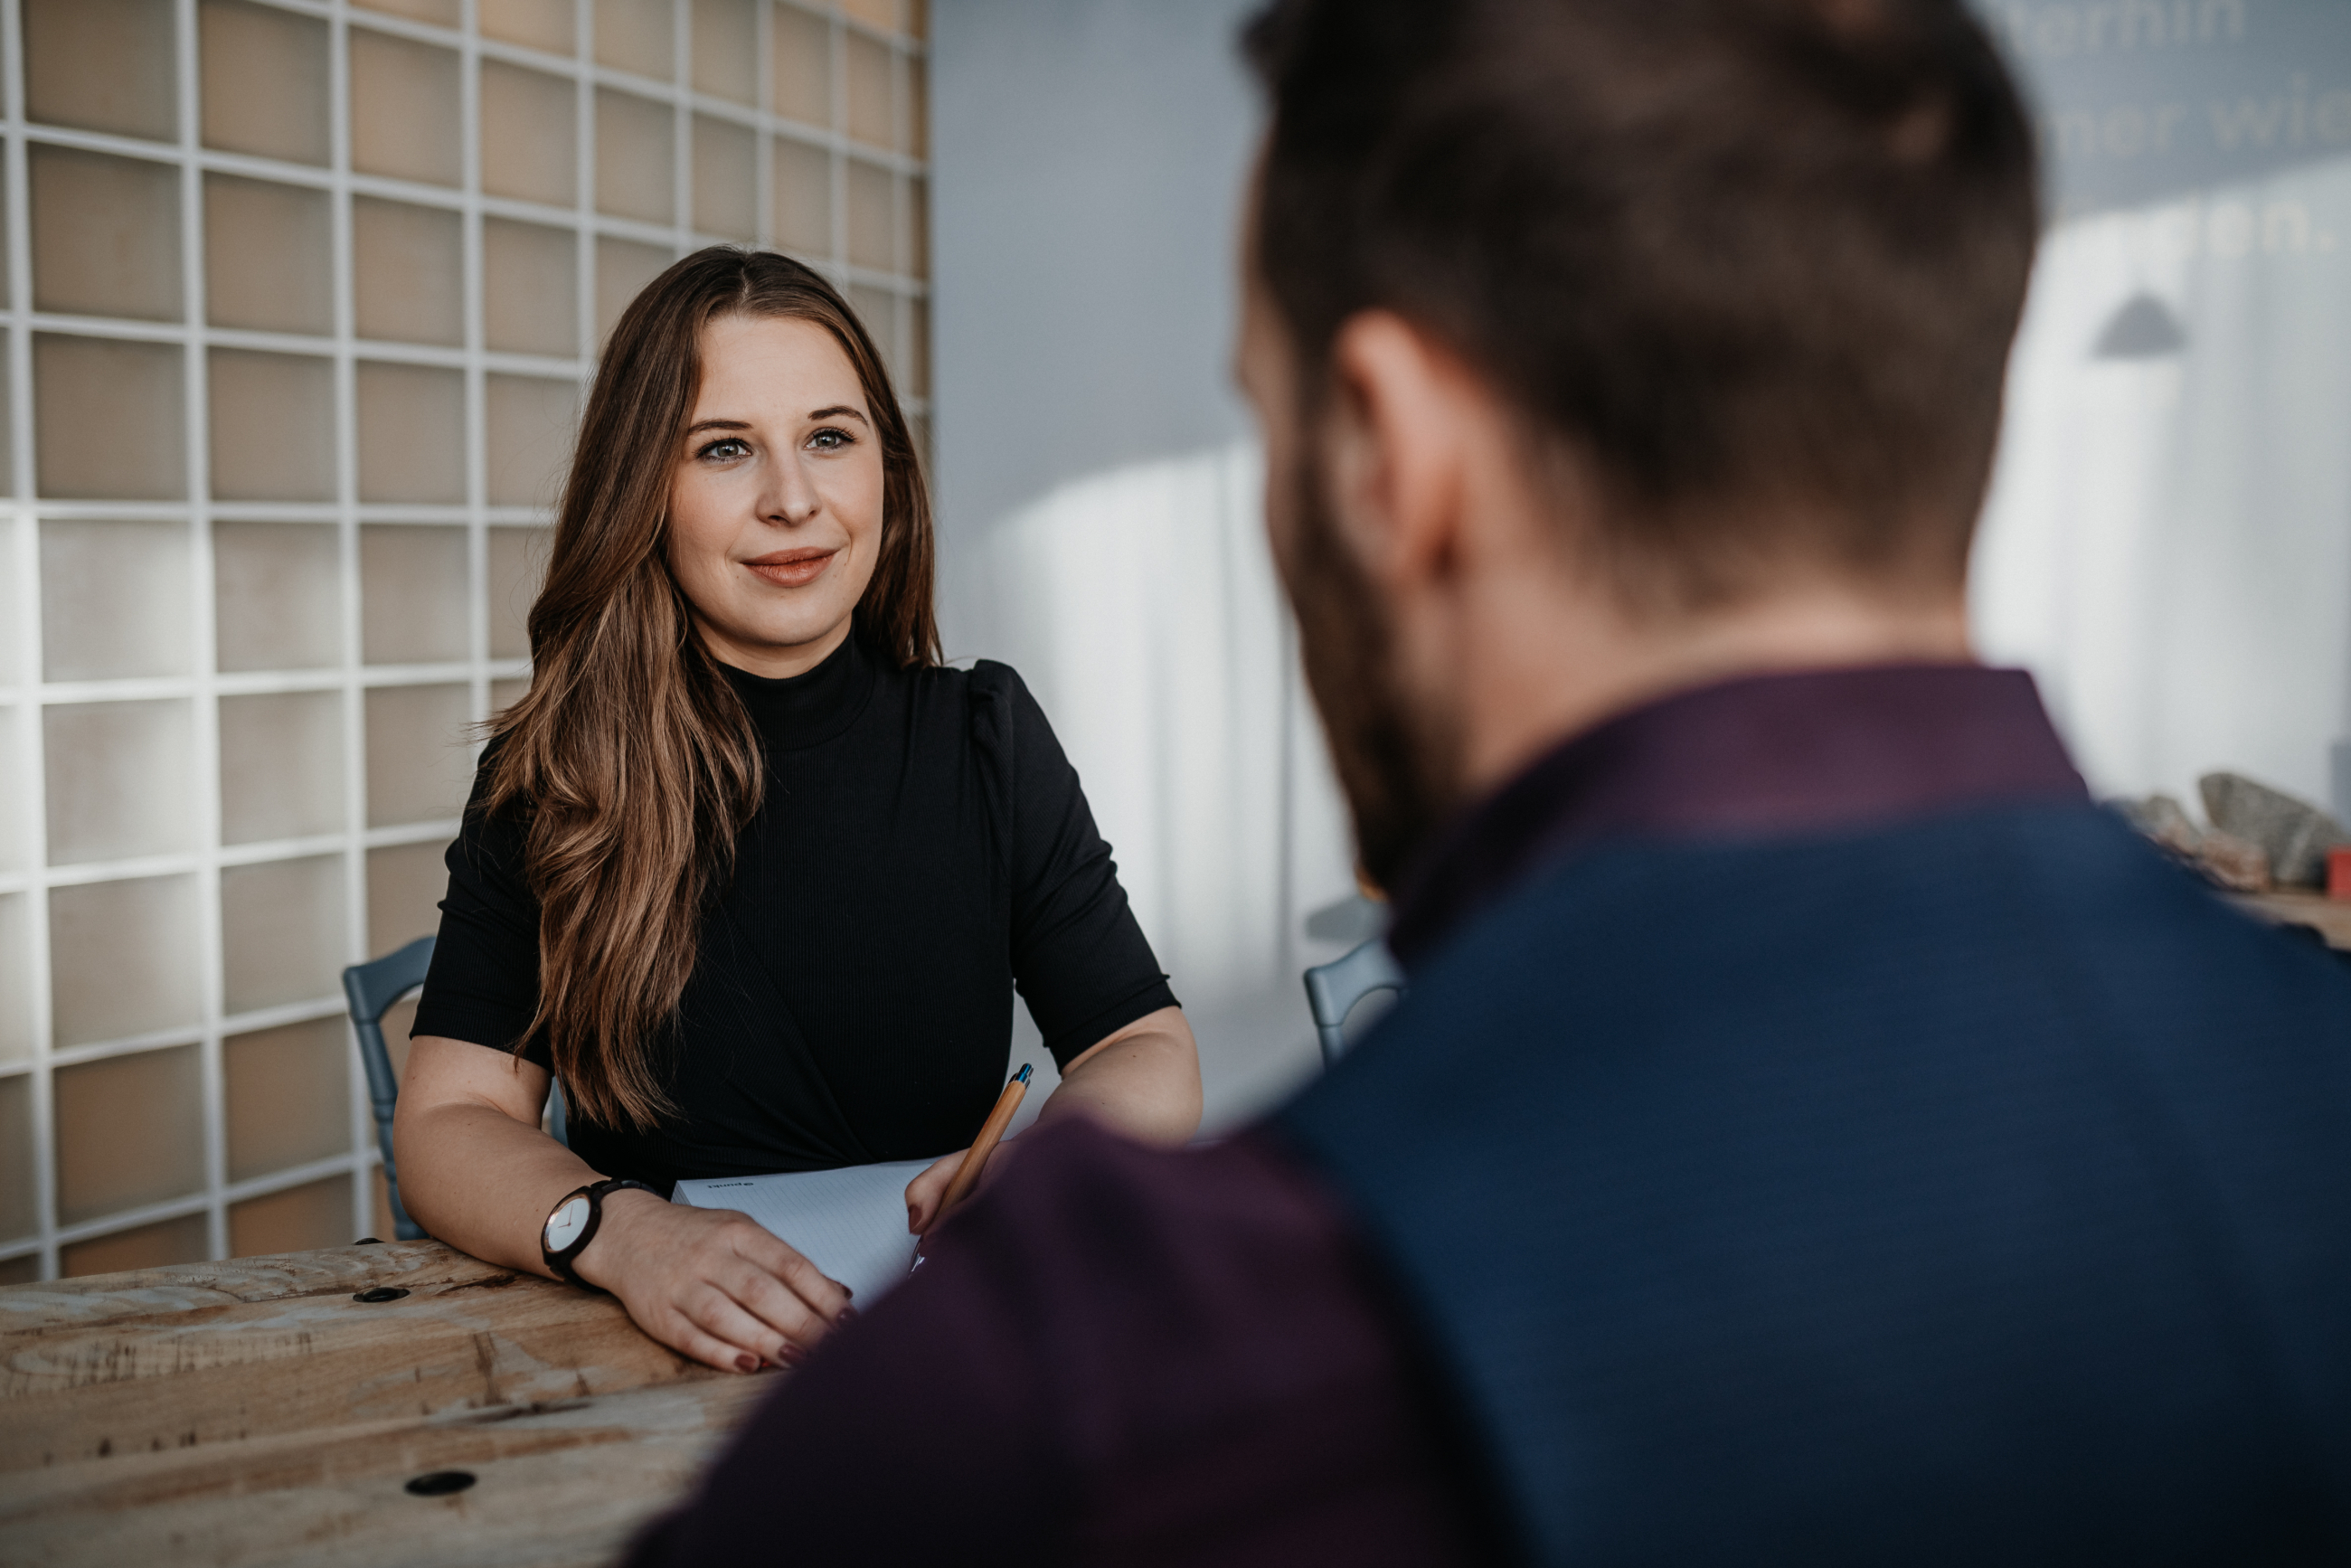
{"x":2338,"y":873}
{"x":2223,"y":858}
{"x":2294,"y":834}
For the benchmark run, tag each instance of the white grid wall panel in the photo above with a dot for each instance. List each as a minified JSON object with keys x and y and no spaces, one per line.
{"x":299,"y":300}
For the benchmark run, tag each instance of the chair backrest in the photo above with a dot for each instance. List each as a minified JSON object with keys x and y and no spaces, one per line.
{"x":1333,"y":990}
{"x":371,"y":988}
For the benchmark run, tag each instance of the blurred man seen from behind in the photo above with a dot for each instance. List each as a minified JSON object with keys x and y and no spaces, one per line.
{"x":1813,"y":1132}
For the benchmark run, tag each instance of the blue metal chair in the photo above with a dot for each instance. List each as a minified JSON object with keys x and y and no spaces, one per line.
{"x":1333,"y":990}
{"x":371,"y":988}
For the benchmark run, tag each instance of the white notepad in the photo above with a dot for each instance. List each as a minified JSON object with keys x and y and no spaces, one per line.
{"x":851,"y":1222}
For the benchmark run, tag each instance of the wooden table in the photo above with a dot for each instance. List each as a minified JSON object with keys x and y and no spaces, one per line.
{"x":2331,"y":917}
{"x":254,"y":1412}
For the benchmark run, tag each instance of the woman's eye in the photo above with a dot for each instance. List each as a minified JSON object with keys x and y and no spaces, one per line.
{"x":725,"y":451}
{"x":830,"y":440}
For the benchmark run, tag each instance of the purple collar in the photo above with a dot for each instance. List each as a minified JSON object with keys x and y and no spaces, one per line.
{"x":1752,"y":757}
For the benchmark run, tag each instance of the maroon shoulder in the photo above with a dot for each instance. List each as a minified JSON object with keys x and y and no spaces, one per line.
{"x":1115,"y":1353}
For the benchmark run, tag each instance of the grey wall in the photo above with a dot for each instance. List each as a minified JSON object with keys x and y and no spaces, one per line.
{"x":1089,"y":156}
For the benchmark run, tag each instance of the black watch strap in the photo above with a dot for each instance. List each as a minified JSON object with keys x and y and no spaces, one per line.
{"x":559,"y":1258}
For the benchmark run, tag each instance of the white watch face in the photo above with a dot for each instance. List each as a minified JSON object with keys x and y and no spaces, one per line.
{"x":564,"y":1226}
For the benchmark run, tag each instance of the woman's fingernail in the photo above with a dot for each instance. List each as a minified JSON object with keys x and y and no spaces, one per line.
{"x":746,"y":1362}
{"x":846,"y":1313}
{"x":792,"y":1355}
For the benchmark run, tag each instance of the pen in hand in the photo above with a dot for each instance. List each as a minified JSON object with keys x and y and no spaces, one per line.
{"x":975,"y":1159}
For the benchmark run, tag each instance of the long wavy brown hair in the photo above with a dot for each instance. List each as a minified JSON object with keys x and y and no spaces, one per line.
{"x":632,"y":757}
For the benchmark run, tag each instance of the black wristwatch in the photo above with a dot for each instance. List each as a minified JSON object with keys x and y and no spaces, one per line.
{"x":573,"y":1225}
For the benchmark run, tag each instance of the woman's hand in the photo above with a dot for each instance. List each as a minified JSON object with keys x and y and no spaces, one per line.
{"x":923,"y":1193}
{"x":710,"y":1283}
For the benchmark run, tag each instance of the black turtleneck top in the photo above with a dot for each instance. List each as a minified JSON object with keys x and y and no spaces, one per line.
{"x":924,"y":846}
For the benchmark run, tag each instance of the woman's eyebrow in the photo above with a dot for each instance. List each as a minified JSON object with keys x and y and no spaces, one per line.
{"x":699,"y":425}
{"x":838,"y":409}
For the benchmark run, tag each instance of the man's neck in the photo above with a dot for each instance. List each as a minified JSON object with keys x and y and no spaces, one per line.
{"x":1535,"y":668}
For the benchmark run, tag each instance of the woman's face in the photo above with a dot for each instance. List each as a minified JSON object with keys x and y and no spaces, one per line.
{"x":775,"y":508}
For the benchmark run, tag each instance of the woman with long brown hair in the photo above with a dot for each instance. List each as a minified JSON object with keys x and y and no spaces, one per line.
{"x":749,"y":870}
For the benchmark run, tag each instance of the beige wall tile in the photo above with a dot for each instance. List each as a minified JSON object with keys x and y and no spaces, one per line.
{"x":108,"y":419}
{"x":917,"y":349}
{"x":281,"y":766}
{"x":411,"y":432}
{"x":504,"y":695}
{"x":289,"y":1096}
{"x":800,"y":73}
{"x":405,"y":884}
{"x":872,"y":119}
{"x":414,"y":605}
{"x":19,"y":1214}
{"x":531,"y":289}
{"x":263,"y":81}
{"x":533,"y":24}
{"x":8,"y":526}
{"x":882,"y":14}
{"x":878,"y":310}
{"x":15,"y":977}
{"x":106,"y":234}
{"x":273,"y":426}
{"x":529,"y":136}
{"x":277,"y":605}
{"x":408,"y":272}
{"x":282,"y":932}
{"x":404,"y":118}
{"x":803,"y":197}
{"x":268,"y":256}
{"x":726,"y":179}
{"x":15,"y":836}
{"x":381,"y":1227}
{"x":634,"y":36}
{"x":916,"y":92}
{"x":129,"y":1131}
{"x":873,"y":216}
{"x":726,"y":49}
{"x":440,"y":13}
{"x":122,"y":958}
{"x":102,"y":65}
{"x":918,"y":228}
{"x":517,"y":566}
{"x":634,"y":175}
{"x":114,"y":599}
{"x":623,"y":267}
{"x":159,"y":1246}
{"x":116,"y":776}
{"x":318,"y":1214}
{"x":420,"y":757}
{"x":527,"y":423}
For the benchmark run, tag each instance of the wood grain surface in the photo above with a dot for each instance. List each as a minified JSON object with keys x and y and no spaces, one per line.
{"x":253,"y":1412}
{"x":2331,"y":917}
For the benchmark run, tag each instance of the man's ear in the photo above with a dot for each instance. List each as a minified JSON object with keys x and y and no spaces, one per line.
{"x":1396,"y":448}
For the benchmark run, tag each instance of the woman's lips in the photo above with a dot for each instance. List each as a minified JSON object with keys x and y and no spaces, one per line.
{"x":791,"y":567}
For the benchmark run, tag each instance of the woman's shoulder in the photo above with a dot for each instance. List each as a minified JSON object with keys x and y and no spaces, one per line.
{"x":985,"y":689}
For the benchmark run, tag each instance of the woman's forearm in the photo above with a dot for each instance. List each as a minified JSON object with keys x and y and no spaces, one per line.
{"x":1144,"y":1081}
{"x":475,"y":1170}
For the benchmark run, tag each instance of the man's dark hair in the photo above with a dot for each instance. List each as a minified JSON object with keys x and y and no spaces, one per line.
{"x":1759,"y":260}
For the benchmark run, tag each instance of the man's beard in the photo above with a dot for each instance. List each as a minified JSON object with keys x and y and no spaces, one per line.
{"x":1394,"y":764}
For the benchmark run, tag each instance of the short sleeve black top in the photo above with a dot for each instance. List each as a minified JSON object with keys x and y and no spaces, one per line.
{"x":922,"y":848}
